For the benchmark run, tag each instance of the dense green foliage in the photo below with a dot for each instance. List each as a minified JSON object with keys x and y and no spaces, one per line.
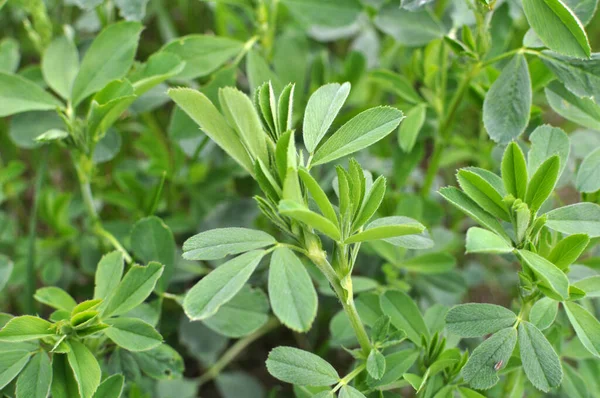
{"x":299,"y":198}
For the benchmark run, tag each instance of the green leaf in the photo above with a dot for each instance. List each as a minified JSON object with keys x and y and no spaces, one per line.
{"x":329,"y":13}
{"x":514,"y":171}
{"x":25,"y":328}
{"x":404,"y":314}
{"x":542,"y":183}
{"x":9,"y":54}
{"x":586,"y":326}
{"x":291,"y":291}
{"x":372,"y":201}
{"x":397,"y":364}
{"x":243,"y":315}
{"x":543,"y":313}
{"x":508,"y":102}
{"x":109,"y":58}
{"x":162,"y":362}
{"x":590,"y":285}
{"x":557,"y":27}
{"x":203,"y":112}
{"x":111,"y":387}
{"x":387,"y":228}
{"x":581,"y":77}
{"x":107,"y":106}
{"x":85,"y":368}
{"x":152,"y":240}
{"x":6,"y":269}
{"x":321,"y":110}
{"x":482,"y":193}
{"x":18,"y":94}
{"x":361,"y":131}
{"x":300,"y":213}
{"x":55,"y":297}
{"x":64,"y":384}
{"x":11,"y":364}
{"x":132,"y":334}
{"x":376,"y":364}
{"x":588,"y":176}
{"x":409,"y":129}
{"x":474,"y":320}
{"x":465,"y":204}
{"x":222,"y":242}
{"x":480,"y":371}
{"x":540,"y":362}
{"x":242,"y":116}
{"x":568,"y":250}
{"x":350,"y":392}
{"x":547,"y":141}
{"x":60,"y":64}
{"x":136,"y":286}
{"x":578,"y":218}
{"x":483,"y":241}
{"x":413,"y":29}
{"x":221,"y":285}
{"x":299,"y":367}
{"x":430,"y":263}
{"x":553,"y":278}
{"x":203,"y":54}
{"x":583,"y":111}
{"x":318,"y":195}
{"x":583,"y":9}
{"x":158,"y":68}
{"x":109,"y":271}
{"x":395,"y":83}
{"x":34,"y":381}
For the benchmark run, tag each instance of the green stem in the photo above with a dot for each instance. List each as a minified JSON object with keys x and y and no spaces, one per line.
{"x":442,"y":137}
{"x":348,"y":304}
{"x":235,"y":350}
{"x":31,"y":277}
{"x":88,"y":200}
{"x":349,"y":377}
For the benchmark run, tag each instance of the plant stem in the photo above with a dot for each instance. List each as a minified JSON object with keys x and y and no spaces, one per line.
{"x":348,"y":304}
{"x":441,"y":139}
{"x":88,"y":200}
{"x":349,"y":377}
{"x":235,"y":350}
{"x":31,"y":278}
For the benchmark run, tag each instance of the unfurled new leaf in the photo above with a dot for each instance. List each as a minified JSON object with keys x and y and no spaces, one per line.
{"x":514,"y":171}
{"x":542,"y":183}
{"x":483,"y":193}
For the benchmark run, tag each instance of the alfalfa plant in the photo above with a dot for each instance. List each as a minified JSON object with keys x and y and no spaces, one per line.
{"x":260,"y":137}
